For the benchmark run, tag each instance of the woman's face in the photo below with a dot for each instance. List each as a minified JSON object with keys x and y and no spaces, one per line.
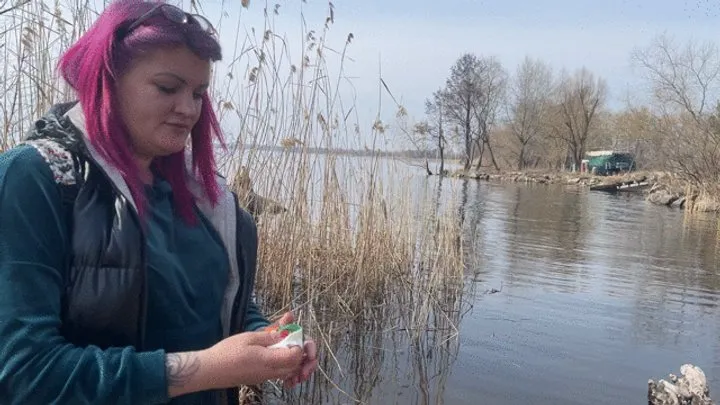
{"x":160,"y":100}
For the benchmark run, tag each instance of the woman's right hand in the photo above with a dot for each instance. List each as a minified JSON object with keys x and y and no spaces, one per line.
{"x":245,"y":358}
{"x":242,"y":359}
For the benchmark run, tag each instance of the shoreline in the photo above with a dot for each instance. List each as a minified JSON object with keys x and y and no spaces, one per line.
{"x":659,"y":188}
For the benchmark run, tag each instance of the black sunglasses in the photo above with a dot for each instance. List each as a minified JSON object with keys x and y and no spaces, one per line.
{"x":176,"y":15}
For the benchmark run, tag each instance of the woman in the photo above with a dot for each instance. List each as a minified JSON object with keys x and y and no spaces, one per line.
{"x":126,"y":266}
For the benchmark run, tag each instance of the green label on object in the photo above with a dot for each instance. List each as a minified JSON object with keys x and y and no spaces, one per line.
{"x":291,"y":327}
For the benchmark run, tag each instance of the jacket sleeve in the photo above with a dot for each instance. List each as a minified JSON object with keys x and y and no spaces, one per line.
{"x":254,"y":319}
{"x":37,"y":365}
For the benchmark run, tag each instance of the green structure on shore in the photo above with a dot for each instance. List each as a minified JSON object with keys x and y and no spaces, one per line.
{"x":608,"y":162}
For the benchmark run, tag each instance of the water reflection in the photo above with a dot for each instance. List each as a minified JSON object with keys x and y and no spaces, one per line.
{"x":600,"y":293}
{"x":547,"y":235}
{"x":379,"y":357}
{"x":396,"y":347}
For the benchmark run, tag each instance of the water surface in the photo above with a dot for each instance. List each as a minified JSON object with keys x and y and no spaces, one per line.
{"x":597,"y":294}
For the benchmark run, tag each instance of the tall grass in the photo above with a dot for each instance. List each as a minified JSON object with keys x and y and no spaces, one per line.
{"x":356,"y":256}
{"x":362,"y":259}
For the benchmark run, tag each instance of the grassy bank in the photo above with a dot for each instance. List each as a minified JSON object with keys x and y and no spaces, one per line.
{"x":347,"y":256}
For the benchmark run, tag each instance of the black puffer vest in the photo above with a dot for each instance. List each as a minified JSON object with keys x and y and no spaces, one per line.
{"x":105,"y":281}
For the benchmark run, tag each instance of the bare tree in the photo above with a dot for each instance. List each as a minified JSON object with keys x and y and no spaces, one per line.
{"x":459,"y":97}
{"x":432,"y":131}
{"x":492,"y":87}
{"x":632,"y":130}
{"x":529,"y":100}
{"x":471,"y":98}
{"x":580,"y":97}
{"x":685,"y":85}
{"x":682,"y":79}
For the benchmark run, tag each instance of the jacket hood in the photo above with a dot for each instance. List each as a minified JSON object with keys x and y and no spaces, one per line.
{"x":56,"y":125}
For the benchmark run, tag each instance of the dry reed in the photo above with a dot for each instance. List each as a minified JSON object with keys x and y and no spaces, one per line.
{"x":358,"y":256}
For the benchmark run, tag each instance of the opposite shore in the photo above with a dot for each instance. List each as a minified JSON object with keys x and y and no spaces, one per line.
{"x":660,"y":188}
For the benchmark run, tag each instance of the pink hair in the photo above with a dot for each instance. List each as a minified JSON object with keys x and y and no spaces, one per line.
{"x":103,"y":53}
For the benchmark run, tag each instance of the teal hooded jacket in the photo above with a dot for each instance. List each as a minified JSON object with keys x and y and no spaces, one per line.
{"x":62,"y":321}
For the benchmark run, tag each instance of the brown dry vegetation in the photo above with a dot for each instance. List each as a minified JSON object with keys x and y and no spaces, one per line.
{"x":347,"y":256}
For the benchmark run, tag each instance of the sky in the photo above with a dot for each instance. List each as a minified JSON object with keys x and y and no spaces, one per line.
{"x":415,"y":42}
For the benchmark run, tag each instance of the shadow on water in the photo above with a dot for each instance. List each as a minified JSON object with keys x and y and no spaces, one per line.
{"x":597,"y":294}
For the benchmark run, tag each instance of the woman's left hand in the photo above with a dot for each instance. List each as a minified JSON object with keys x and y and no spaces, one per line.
{"x":309,"y":365}
{"x":285,"y":319}
{"x":310,"y":362}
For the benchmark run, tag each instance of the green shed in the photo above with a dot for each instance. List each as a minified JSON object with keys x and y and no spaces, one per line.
{"x":605,"y":163}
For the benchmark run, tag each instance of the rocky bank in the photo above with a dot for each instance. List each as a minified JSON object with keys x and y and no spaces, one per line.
{"x":690,"y":388}
{"x":659,"y":188}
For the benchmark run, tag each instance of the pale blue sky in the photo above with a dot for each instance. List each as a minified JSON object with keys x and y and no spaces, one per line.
{"x":417,"y":41}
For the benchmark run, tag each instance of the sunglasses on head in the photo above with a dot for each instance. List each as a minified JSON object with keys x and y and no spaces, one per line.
{"x":174,"y":14}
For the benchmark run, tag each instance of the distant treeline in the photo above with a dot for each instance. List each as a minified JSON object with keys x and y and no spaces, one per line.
{"x":539,"y":117}
{"x":408,"y":154}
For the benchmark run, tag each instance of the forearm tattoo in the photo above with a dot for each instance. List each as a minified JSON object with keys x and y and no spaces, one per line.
{"x":180,"y":368}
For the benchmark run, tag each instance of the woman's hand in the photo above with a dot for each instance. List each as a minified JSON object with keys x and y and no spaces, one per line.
{"x":242,"y":359}
{"x":309,"y":365}
{"x":247,"y":360}
{"x":285,"y":319}
{"x":309,"y":361}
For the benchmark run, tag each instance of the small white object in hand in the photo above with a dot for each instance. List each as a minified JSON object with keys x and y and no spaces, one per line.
{"x":295,"y":338}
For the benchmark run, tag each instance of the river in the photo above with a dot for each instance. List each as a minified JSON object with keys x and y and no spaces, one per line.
{"x":598,"y":293}
{"x":595,"y":294}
